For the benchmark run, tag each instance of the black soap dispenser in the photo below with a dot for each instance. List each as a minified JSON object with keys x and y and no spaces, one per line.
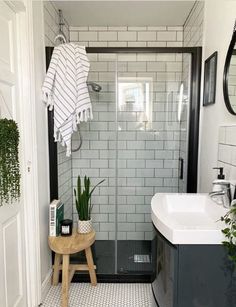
{"x":220,"y":181}
{"x":220,"y":176}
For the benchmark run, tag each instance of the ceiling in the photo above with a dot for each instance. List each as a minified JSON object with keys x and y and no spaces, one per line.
{"x":130,"y":13}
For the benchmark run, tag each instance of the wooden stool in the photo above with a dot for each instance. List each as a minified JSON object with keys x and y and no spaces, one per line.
{"x":63,"y":248}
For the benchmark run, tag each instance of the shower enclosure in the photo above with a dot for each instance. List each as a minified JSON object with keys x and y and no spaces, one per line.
{"x":142,"y":140}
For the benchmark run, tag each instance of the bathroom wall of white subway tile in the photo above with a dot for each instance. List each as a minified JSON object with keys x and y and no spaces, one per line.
{"x":192,"y":37}
{"x":146,"y":152}
{"x":193,"y":26}
{"x":124,"y":36}
{"x":227,"y":152}
{"x":51,"y":27}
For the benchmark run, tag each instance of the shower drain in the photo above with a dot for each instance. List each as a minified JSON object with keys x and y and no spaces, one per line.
{"x":141,"y":259}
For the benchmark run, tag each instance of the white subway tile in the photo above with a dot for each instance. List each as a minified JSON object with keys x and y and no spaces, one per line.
{"x":136,"y":145}
{"x":175,"y":28}
{"x":157,"y":44}
{"x":174,"y":44}
{"x":159,"y":28}
{"x":137,"y":28}
{"x":159,"y":173}
{"x":97,"y":44}
{"x":102,"y":217}
{"x":144,"y":227}
{"x":117,"y":28}
{"x":90,"y":154}
{"x":98,"y":145}
{"x":230,"y":135}
{"x":107,"y":208}
{"x":107,"y":172}
{"x":144,"y":173}
{"x":74,"y":36}
{"x":135,"y":182}
{"x":156,"y":66}
{"x":88,"y":36}
{"x":101,"y":235}
{"x":143,"y":209}
{"x":154,"y":164}
{"x":107,"y":36}
{"x":126,"y":209}
{"x":135,"y":200}
{"x":166,"y":36}
{"x":117,"y":44}
{"x":145,"y":154}
{"x":224,"y":153}
{"x":126,"y":227}
{"x":127,"y":36}
{"x":135,"y":163}
{"x":98,"y":28}
{"x":147,"y":36}
{"x":98,"y":126}
{"x":107,"y":226}
{"x":137,"y":66}
{"x":155,"y":182}
{"x":126,"y":57}
{"x":78,"y":29}
{"x":98,"y":66}
{"x":126,"y":172}
{"x":99,"y":163}
{"x":137,"y":44}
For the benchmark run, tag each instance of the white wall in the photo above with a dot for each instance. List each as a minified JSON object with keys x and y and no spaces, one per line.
{"x":42,"y":140}
{"x":218,"y":28}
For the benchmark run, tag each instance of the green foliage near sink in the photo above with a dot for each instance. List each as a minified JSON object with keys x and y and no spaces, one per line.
{"x":9,"y":161}
{"x":230,"y":232}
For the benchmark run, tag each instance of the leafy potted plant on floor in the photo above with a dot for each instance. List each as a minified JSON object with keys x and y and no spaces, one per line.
{"x":84,"y":205}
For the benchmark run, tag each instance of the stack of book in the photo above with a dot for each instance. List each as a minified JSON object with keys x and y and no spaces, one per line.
{"x":56,"y":215}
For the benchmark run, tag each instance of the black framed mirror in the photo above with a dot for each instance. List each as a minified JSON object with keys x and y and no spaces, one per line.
{"x":229,"y":79}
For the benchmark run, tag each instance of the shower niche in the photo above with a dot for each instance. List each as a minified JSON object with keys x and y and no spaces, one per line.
{"x":145,"y":122}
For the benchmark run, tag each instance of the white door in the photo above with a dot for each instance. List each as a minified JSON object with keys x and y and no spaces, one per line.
{"x":12,"y":267}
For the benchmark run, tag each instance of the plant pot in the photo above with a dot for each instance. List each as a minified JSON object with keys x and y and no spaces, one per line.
{"x":85,"y":226}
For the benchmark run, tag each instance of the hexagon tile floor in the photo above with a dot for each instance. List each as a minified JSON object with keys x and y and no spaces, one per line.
{"x":103,"y":295}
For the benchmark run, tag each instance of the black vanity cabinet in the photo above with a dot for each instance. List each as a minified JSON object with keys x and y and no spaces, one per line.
{"x":193,"y":276}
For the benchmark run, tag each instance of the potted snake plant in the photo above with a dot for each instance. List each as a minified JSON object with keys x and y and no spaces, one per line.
{"x":83,"y":204}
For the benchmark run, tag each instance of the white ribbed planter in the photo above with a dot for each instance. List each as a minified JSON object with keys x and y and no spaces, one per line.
{"x":85,"y":226}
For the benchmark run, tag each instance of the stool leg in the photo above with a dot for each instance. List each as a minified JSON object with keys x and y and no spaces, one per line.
{"x":90,"y":263}
{"x":57,"y":262}
{"x":65,"y":280}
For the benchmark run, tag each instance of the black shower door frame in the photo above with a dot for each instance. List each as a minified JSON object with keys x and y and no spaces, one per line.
{"x":194,"y":110}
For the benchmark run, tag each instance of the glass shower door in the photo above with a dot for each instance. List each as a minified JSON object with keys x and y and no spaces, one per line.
{"x":150,"y":137}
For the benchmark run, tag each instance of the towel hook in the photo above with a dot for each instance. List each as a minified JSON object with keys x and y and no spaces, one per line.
{"x":61,"y":34}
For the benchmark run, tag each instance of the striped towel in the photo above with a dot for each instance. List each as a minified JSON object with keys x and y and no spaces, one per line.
{"x":65,"y":89}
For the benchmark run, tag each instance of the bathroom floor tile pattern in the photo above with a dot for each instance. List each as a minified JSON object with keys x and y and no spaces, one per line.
{"x":103,"y":295}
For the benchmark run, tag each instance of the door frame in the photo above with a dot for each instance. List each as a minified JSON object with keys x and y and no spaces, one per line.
{"x":194,"y":110}
{"x":27,"y":126}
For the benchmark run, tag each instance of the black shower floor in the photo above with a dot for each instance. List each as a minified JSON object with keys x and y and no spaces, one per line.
{"x":104,"y":257}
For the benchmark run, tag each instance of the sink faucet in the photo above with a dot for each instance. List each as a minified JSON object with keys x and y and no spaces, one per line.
{"x":225,"y":194}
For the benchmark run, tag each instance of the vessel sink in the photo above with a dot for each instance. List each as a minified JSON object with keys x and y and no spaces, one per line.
{"x":188,"y":218}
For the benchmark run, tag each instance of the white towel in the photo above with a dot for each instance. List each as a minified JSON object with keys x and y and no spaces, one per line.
{"x":65,"y":89}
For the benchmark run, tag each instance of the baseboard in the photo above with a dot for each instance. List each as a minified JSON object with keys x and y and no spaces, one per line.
{"x":46,"y":285}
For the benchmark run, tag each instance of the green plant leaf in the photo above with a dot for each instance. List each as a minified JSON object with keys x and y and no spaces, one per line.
{"x":83,"y":198}
{"x":9,"y":161}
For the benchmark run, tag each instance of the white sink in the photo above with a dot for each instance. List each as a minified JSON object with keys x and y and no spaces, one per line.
{"x":188,"y":218}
